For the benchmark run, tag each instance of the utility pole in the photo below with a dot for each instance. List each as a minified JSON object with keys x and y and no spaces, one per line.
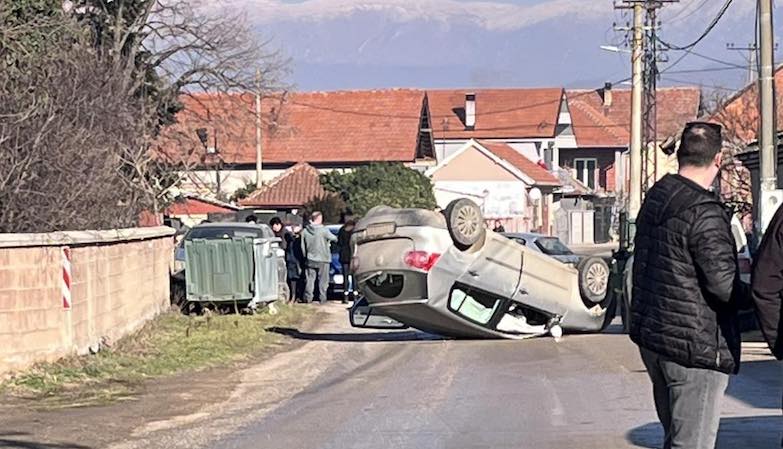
{"x":643,"y":138}
{"x":259,"y":143}
{"x":751,"y":49}
{"x":770,"y":196}
{"x":637,"y":61}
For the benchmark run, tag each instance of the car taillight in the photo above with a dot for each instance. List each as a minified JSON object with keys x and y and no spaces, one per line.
{"x":421,"y":259}
{"x":744,"y":265}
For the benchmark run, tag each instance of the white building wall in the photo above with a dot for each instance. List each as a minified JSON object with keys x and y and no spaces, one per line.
{"x":498,"y":199}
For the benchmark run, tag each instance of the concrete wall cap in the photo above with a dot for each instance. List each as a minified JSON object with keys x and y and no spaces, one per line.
{"x":64,"y":238}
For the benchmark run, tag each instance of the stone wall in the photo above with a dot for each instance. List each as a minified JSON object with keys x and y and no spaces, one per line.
{"x":119,"y":280}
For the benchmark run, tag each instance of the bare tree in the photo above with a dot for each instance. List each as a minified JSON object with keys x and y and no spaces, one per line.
{"x":86,"y":91}
{"x":738,"y":114}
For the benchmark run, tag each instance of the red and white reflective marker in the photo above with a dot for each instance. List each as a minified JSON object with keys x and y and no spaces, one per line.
{"x":65,"y":287}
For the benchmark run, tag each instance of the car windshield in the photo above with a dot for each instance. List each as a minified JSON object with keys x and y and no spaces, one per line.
{"x":553,"y":246}
{"x":223,"y":233}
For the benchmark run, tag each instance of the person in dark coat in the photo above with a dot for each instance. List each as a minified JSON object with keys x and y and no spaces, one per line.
{"x":346,"y":254}
{"x":767,"y":283}
{"x":292,"y":262}
{"x":686,"y":293}
{"x":498,"y":227}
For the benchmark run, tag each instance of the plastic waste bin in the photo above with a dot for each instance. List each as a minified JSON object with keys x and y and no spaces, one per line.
{"x":241,"y":271}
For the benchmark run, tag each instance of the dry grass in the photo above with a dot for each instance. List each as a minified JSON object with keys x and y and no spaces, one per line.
{"x":170,"y":344}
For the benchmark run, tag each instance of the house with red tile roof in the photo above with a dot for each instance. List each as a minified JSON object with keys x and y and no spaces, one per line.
{"x":214,"y":139}
{"x":192,"y":209}
{"x":599,"y":121}
{"x":505,"y":183}
{"x":526,"y":119}
{"x":291,"y":190}
{"x":739,"y":113}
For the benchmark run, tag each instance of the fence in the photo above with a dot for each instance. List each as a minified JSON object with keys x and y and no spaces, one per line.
{"x":65,"y":292}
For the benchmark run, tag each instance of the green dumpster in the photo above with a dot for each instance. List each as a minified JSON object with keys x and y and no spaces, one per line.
{"x":239,"y":270}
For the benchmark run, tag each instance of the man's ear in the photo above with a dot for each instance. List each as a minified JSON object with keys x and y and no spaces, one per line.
{"x":718,"y":159}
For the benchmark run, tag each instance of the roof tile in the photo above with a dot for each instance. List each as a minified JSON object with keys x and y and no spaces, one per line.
{"x":291,"y":189}
{"x":500,"y":113}
{"x":598,"y":126}
{"x":537,"y":173}
{"x":315,"y":127}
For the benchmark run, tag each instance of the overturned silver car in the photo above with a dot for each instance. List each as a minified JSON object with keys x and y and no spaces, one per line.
{"x":445,"y":273}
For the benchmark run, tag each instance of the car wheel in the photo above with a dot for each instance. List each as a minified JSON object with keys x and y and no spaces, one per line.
{"x":593,"y":279}
{"x":465,"y":223}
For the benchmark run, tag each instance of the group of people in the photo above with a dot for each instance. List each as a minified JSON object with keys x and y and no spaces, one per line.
{"x":308,"y":257}
{"x":687,"y":292}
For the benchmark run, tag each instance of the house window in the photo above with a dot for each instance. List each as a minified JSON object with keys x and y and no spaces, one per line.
{"x":585,"y":171}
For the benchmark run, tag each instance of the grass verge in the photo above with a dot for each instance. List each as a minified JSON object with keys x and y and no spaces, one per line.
{"x":171,"y":343}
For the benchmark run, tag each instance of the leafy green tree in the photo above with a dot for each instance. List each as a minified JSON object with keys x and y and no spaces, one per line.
{"x":243,"y":192}
{"x":389,"y":184}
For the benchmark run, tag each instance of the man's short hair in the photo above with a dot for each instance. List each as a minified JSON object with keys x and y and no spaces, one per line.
{"x":699,"y":144}
{"x":275,"y":221}
{"x":251,"y":219}
{"x":316,"y":215}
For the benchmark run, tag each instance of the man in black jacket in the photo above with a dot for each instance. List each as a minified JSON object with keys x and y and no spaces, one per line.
{"x":768,"y":283}
{"x":683,"y":312}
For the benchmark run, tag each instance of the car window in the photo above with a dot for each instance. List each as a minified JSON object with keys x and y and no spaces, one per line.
{"x":553,"y":246}
{"x":474,"y":306}
{"x":520,"y":240}
{"x":223,"y":233}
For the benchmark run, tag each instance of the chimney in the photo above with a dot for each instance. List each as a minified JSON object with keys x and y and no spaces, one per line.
{"x":607,"y":95}
{"x":470,"y":111}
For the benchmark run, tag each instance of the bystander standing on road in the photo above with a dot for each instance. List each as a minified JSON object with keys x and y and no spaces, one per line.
{"x":293,"y":267}
{"x":686,"y":293}
{"x":316,"y":239}
{"x":767,"y":284}
{"x":346,"y":253}
{"x":498,"y":226}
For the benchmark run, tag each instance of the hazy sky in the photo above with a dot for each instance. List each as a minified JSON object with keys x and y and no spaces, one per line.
{"x":351,"y":44}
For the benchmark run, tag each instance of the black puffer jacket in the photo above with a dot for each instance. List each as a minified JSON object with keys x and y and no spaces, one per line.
{"x":684,"y":272}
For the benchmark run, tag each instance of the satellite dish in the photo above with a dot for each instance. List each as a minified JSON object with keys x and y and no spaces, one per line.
{"x":534,"y":194}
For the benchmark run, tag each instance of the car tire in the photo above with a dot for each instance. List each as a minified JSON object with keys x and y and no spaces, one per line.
{"x":593,"y":279}
{"x":465,"y":223}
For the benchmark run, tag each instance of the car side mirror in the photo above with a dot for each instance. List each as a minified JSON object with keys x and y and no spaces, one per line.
{"x":362,"y":315}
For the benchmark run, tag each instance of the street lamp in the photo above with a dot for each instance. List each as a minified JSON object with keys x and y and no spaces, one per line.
{"x":614,"y":49}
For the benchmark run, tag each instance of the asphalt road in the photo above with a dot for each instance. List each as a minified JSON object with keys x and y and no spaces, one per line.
{"x":412,"y":390}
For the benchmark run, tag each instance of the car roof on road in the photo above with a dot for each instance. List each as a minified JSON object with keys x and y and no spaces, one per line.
{"x":230,"y":224}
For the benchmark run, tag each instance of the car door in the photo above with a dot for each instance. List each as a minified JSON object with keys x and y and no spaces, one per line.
{"x":496,"y":268}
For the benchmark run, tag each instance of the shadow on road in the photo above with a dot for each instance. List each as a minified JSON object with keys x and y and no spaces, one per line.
{"x":362,"y":337}
{"x":21,"y":440}
{"x":758,"y":384}
{"x":761,"y":432}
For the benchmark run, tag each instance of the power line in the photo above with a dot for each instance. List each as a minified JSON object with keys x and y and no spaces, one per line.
{"x":677,"y":17}
{"x":711,"y":86}
{"x":705,"y":70}
{"x":710,"y":27}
